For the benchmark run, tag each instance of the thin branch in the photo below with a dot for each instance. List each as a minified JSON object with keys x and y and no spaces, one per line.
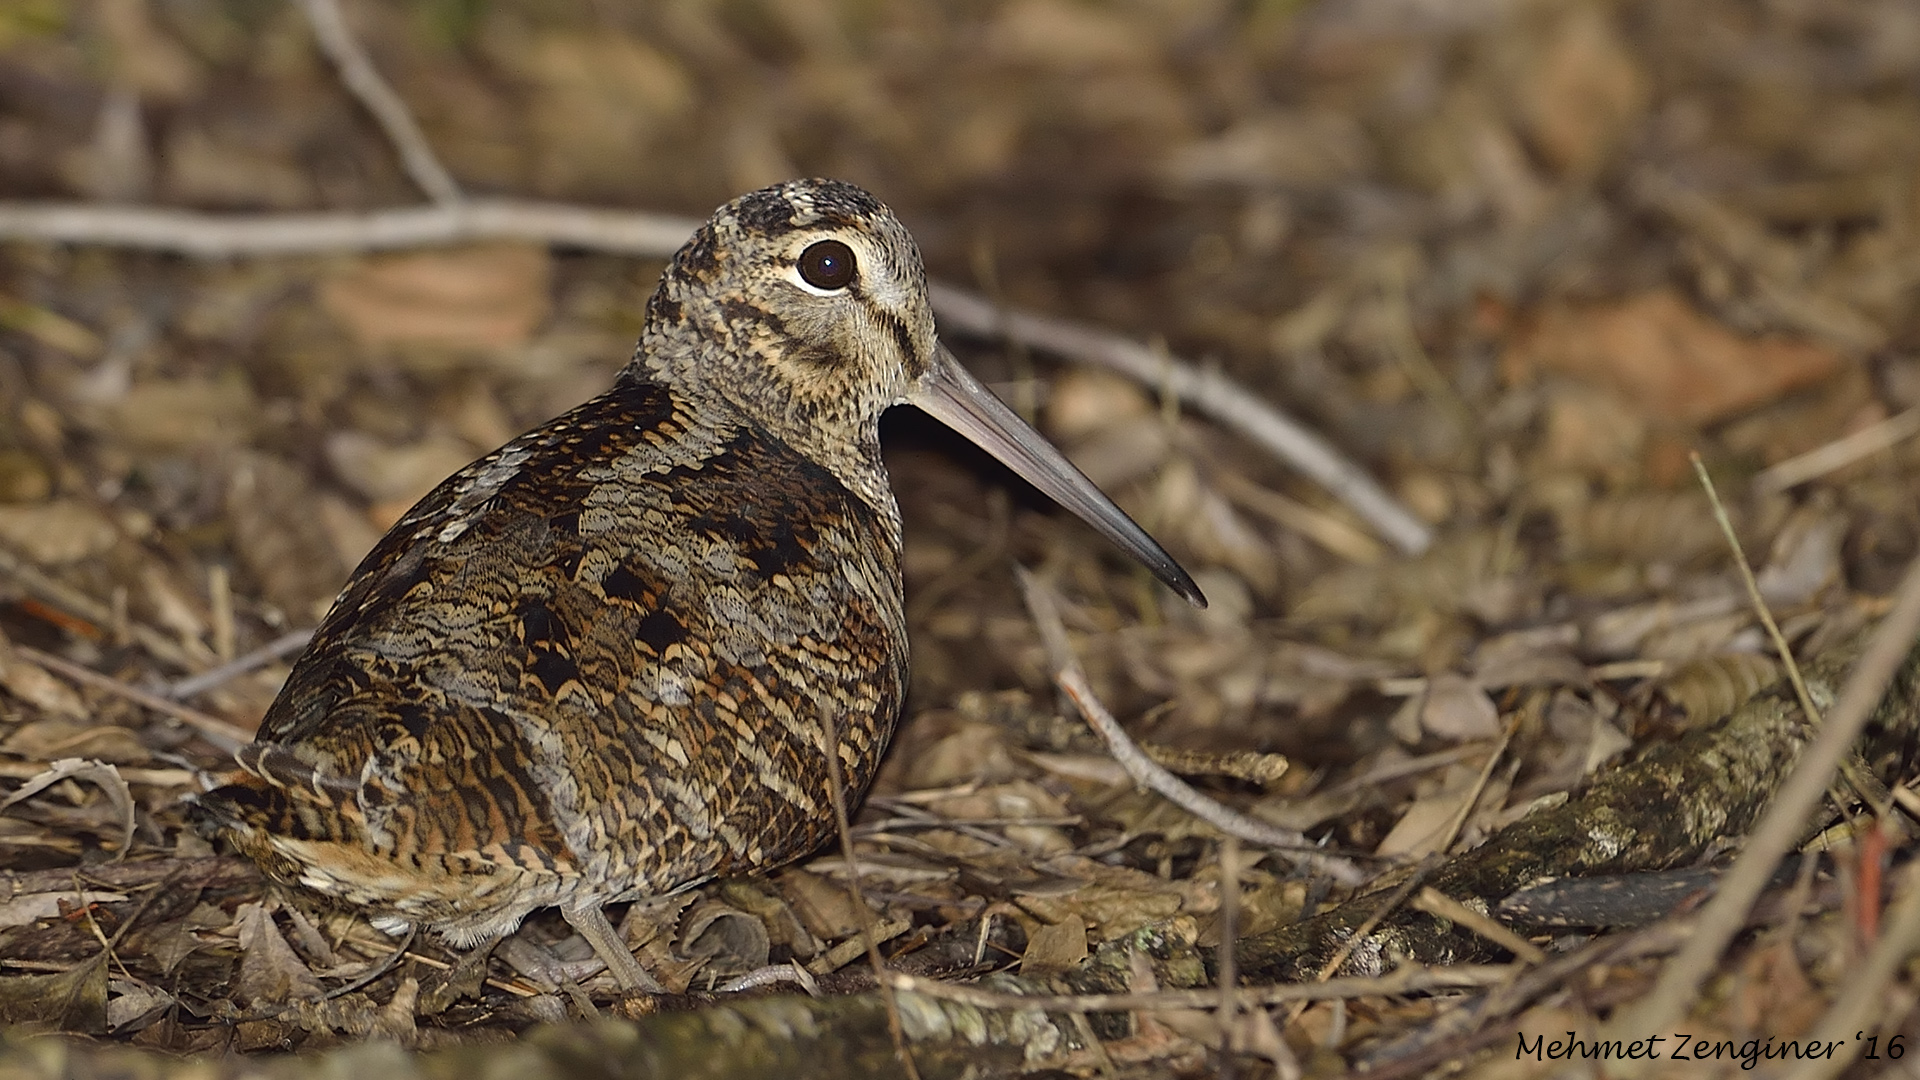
{"x":290,"y":642}
{"x":227,"y":737}
{"x":1439,"y":904}
{"x":657,"y":236}
{"x":1372,"y":922}
{"x":1209,"y":392}
{"x":385,"y":964}
{"x":226,"y":236}
{"x":1459,"y":819}
{"x":1837,"y":454}
{"x":1778,"y":829}
{"x":1149,"y":773}
{"x":365,"y":83}
{"x":1759,"y":603}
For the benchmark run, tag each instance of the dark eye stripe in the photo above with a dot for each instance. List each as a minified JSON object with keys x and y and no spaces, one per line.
{"x":902,"y":337}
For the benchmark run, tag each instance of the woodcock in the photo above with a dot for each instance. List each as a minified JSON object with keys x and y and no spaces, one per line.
{"x":592,"y":666}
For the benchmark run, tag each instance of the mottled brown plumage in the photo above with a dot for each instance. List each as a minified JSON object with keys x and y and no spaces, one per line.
{"x":592,"y":665}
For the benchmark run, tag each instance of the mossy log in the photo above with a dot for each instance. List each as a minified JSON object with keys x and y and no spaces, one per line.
{"x":1661,"y":809}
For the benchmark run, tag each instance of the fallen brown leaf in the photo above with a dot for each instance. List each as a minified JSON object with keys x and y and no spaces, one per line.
{"x":270,"y":972}
{"x":74,"y":1000}
{"x":1667,"y":358}
{"x":1055,"y":947}
{"x":488,"y":296}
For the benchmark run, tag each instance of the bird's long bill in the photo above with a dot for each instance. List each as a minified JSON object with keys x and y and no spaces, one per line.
{"x":957,"y":399}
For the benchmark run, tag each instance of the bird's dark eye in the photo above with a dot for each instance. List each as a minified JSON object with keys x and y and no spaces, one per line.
{"x":827,"y":264}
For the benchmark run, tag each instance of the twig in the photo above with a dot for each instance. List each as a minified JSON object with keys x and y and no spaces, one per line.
{"x":1393,"y":770}
{"x":1407,"y":979}
{"x":1145,"y":771}
{"x":27,"y":770}
{"x":1459,"y":819}
{"x":514,"y":988}
{"x":1333,"y":533}
{"x":1837,"y":454}
{"x":384,"y":965}
{"x":657,"y":236}
{"x":289,"y":642}
{"x":1439,"y":904}
{"x":836,"y":794}
{"x":365,"y":83}
{"x":226,"y":236}
{"x":1209,"y":392}
{"x":227,"y":737}
{"x":1780,"y":826}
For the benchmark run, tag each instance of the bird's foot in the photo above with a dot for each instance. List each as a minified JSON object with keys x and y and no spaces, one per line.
{"x":592,"y":924}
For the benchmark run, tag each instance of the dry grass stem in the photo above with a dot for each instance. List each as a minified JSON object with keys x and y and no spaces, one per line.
{"x":278,"y":649}
{"x":1439,"y":904}
{"x":1228,"y":966}
{"x":1838,"y":454}
{"x":1760,"y":609}
{"x":227,"y":737}
{"x":1865,"y":785}
{"x":1472,"y":796}
{"x":836,"y":794}
{"x":1387,"y":906}
{"x":1327,"y":530}
{"x":1144,"y":770}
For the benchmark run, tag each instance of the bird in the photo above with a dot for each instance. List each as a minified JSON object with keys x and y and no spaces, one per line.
{"x":602,"y":663}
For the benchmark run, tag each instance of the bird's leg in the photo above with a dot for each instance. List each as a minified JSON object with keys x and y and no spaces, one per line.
{"x":592,"y":924}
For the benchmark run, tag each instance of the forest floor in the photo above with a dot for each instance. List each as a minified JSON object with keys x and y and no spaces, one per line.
{"x":1517,"y":261}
